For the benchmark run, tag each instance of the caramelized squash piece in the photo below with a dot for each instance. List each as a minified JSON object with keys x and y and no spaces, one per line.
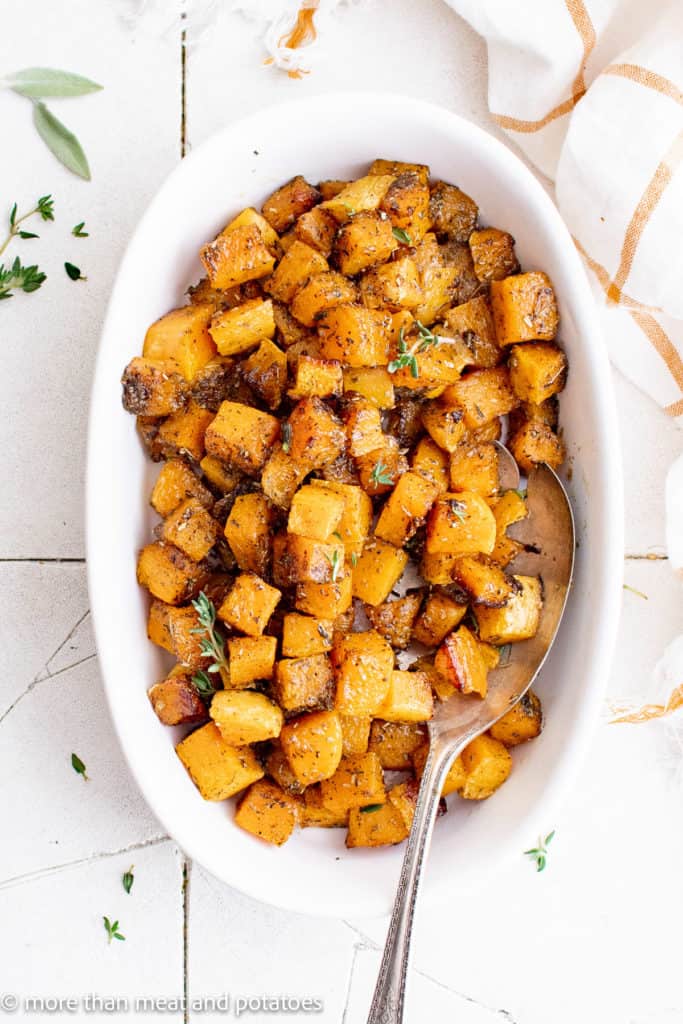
{"x":217,"y":769}
{"x":267,"y":812}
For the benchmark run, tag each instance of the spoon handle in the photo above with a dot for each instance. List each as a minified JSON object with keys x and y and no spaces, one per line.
{"x":388,"y":1000}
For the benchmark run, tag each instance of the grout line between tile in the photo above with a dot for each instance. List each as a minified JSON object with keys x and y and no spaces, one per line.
{"x":187,"y":869}
{"x":42,"y":560}
{"x":30,"y":876}
{"x":183,"y":84}
{"x":356,"y":950}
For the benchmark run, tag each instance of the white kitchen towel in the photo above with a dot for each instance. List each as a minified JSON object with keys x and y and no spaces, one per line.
{"x":592,"y":92}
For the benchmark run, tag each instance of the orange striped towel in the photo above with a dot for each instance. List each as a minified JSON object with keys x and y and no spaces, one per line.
{"x":592,"y":92}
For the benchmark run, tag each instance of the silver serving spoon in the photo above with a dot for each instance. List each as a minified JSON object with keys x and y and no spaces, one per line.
{"x":548,"y":533}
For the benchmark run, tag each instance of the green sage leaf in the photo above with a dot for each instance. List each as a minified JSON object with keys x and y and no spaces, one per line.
{"x":41,"y":83}
{"x":60,"y":141}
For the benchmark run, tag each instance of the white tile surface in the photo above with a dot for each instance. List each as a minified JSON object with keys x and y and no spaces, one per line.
{"x":594,"y":938}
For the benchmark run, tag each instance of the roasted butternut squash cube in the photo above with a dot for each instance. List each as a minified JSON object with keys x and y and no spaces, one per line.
{"x":357,"y":782}
{"x":191,"y":529}
{"x":175,"y":699}
{"x":473,"y":321}
{"x":242,"y":436}
{"x":304,"y":684}
{"x":452,"y":212}
{"x":483,"y":395}
{"x":365,"y":240}
{"x":437,"y":568}
{"x":537,"y":371}
{"x":288,"y":202}
{"x":224,"y":478}
{"x":277,"y":767}
{"x":455,"y":779}
{"x":265,"y":371}
{"x":362,"y":663}
{"x":248,"y":532}
{"x":152,"y":387}
{"x":184,"y":432}
{"x":461,"y":662}
{"x":524,"y":308}
{"x":218,"y":381}
{"x":444,"y":421}
{"x":250,"y":216}
{"x":217,"y":769}
{"x":406,"y":204}
{"x":493,"y":254}
{"x":325,"y":600}
{"x":522,"y":722}
{"x":484,"y":580}
{"x":268,"y":812}
{"x":437,"y":365}
{"x":394,"y":619}
{"x":508,"y":509}
{"x":395,"y":742}
{"x":535,"y":442}
{"x":406,"y":509}
{"x":317,"y":228}
{"x":173,"y":629}
{"x":474,"y":467}
{"x":409,"y":698}
{"x":356,"y":518}
{"x":460,"y":524}
{"x":169,"y":574}
{"x":305,"y":559}
{"x":517,"y":619}
{"x":363,"y":425}
{"x":304,"y":636}
{"x":394,"y":286}
{"x":317,"y":377}
{"x":238,"y":329}
{"x":245,"y":716}
{"x":396,"y":167}
{"x":176,"y":483}
{"x":322,"y":292}
{"x":354,"y":335}
{"x":249,"y":605}
{"x":312,"y":744}
{"x":355,"y":734}
{"x":316,"y":435}
{"x":438,"y":279}
{"x":487,"y":766}
{"x":431,"y":462}
{"x":363,"y":194}
{"x":315,"y":815}
{"x":372,"y":383}
{"x":375,"y":825}
{"x":379,"y":470}
{"x":297,"y":265}
{"x":315,"y":512}
{"x":251,"y":658}
{"x":181,"y":338}
{"x":281,"y":477}
{"x":439,"y":616}
{"x":377,"y":571}
{"x":236,"y":255}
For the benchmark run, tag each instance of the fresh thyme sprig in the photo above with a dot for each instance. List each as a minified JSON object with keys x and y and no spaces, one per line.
{"x":27,"y":279}
{"x":211,"y":645}
{"x":380,"y":475}
{"x":407,"y":357}
{"x":540,"y":853}
{"x":44,"y":206}
{"x":112,"y":930}
{"x":336,"y":561}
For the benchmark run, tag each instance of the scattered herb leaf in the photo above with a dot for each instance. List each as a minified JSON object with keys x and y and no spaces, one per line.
{"x":203,"y":685}
{"x":457,"y":509}
{"x":45,"y":83}
{"x":402,"y":236}
{"x":504,"y":655}
{"x":112,"y":930}
{"x":60,"y":141}
{"x":128,"y":879}
{"x":28,"y":234}
{"x":380,"y":475}
{"x":74,"y":272}
{"x":78,"y":231}
{"x":286,"y":437}
{"x":370,"y":808}
{"x":336,"y":561}
{"x":78,"y":766}
{"x":407,"y":356}
{"x":44,"y":206}
{"x":520,"y":494}
{"x":638,"y":593}
{"x":540,"y":853}
{"x":354,"y":560}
